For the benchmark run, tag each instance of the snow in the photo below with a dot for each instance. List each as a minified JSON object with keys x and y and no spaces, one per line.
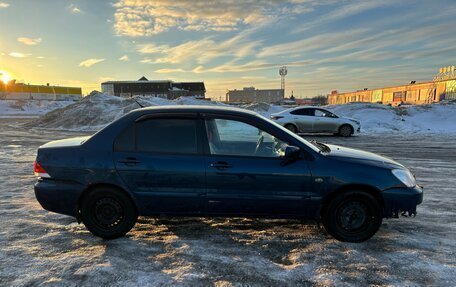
{"x":29,"y":108}
{"x":97,"y":110}
{"x":38,"y":247}
{"x":425,"y":119}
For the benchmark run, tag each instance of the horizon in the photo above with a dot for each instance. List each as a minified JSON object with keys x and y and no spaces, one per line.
{"x":326,"y":45}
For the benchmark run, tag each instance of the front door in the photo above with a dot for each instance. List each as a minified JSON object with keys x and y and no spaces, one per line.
{"x":246,"y":175}
{"x":323,"y":122}
{"x":160,"y":161}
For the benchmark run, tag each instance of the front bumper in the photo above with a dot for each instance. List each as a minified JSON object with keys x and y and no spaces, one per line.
{"x":402,"y":201}
{"x":58,"y":196}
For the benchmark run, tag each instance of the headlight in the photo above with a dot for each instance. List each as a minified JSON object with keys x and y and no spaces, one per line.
{"x":356,"y":122}
{"x":405,"y":176}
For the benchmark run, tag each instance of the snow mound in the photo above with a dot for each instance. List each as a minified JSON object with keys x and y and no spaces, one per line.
{"x":27,"y":108}
{"x":376,"y":118}
{"x":97,"y":110}
{"x":264,"y":109}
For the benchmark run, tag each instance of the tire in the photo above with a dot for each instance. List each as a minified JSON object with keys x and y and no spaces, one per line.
{"x":352,"y":216}
{"x":108,"y":213}
{"x":292,"y":128}
{"x":345,"y":130}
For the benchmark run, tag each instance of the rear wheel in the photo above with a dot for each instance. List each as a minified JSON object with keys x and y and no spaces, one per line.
{"x":353,"y":216}
{"x":291,"y":128}
{"x":345,"y":130}
{"x":108,"y":213}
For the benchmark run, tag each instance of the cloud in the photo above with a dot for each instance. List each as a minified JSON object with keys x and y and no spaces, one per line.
{"x":200,"y":51}
{"x":90,"y":62}
{"x":312,"y":43}
{"x":124,"y":58}
{"x":146,"y":17}
{"x":74,"y":9}
{"x":29,"y":41}
{"x":4,"y":5}
{"x":168,"y":71}
{"x":19,"y":55}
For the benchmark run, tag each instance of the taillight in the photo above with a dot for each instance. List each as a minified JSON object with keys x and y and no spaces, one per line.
{"x":276,"y":117}
{"x":39,"y":170}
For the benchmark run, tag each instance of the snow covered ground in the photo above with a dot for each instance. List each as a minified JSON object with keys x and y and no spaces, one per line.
{"x":97,"y":110}
{"x":38,"y":247}
{"x":437,"y":118}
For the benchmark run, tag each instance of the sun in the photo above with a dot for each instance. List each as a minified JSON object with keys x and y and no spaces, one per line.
{"x":5,"y":77}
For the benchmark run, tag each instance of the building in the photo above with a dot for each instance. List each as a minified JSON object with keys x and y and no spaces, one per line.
{"x":252,"y":95}
{"x":162,"y":89}
{"x":18,"y":91}
{"x":443,"y":87}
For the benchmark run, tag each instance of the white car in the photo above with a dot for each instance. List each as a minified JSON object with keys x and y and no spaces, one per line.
{"x":307,"y":119}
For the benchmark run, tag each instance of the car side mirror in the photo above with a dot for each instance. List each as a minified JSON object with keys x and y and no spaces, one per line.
{"x":292,"y":152}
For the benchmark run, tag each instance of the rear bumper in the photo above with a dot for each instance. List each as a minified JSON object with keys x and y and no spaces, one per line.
{"x":58,"y":196}
{"x":402,"y":200}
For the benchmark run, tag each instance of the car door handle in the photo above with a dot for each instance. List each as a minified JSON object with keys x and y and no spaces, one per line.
{"x":221,"y":165}
{"x":130,"y":161}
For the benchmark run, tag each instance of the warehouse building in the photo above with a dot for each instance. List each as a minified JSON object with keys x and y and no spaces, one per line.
{"x":18,"y":91}
{"x":162,"y":89}
{"x":443,"y":87}
{"x":252,"y":95}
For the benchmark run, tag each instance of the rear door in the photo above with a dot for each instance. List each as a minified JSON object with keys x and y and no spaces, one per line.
{"x":161,"y":161}
{"x":304,"y":118}
{"x":246,"y":175}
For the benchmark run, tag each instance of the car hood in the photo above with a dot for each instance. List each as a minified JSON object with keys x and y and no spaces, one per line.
{"x":350,"y":119}
{"x":76,"y":141}
{"x":344,"y":153}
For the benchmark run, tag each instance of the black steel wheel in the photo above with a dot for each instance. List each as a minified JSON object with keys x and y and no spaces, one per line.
{"x":353,"y":216}
{"x":108,"y":213}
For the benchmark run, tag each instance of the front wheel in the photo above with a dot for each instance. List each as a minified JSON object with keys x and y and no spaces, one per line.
{"x":353,"y":216}
{"x":108,"y":213}
{"x":345,"y":131}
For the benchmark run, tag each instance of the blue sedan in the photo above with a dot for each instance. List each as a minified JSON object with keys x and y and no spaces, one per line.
{"x":221,"y":162}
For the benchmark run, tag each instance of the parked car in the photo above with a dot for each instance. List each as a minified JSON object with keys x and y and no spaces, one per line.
{"x":310,"y":119}
{"x":217,"y":161}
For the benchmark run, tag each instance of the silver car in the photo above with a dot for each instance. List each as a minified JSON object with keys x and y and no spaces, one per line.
{"x":316,"y":120}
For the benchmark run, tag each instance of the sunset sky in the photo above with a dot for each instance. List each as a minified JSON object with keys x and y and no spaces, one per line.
{"x":327,"y":45}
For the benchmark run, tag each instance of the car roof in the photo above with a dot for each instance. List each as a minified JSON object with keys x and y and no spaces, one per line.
{"x":196,"y":109}
{"x":298,"y":108}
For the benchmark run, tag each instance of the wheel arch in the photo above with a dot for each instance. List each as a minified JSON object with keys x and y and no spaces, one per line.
{"x":375,"y":192}
{"x":346,"y":124}
{"x":95,"y":186}
{"x":292,"y":124}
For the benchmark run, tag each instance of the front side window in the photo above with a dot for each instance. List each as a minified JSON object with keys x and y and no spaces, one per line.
{"x":323,"y":113}
{"x":320,"y":113}
{"x":231,"y":137}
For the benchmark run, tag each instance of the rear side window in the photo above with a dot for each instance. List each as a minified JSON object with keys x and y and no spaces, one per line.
{"x":167,"y":136}
{"x":303,"y":112}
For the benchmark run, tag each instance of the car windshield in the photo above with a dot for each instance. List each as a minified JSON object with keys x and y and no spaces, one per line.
{"x":307,"y":143}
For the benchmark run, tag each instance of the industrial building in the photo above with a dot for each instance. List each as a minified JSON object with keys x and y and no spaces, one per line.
{"x":162,"y":89}
{"x":442,"y":87}
{"x":18,"y":91}
{"x":252,"y":95}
